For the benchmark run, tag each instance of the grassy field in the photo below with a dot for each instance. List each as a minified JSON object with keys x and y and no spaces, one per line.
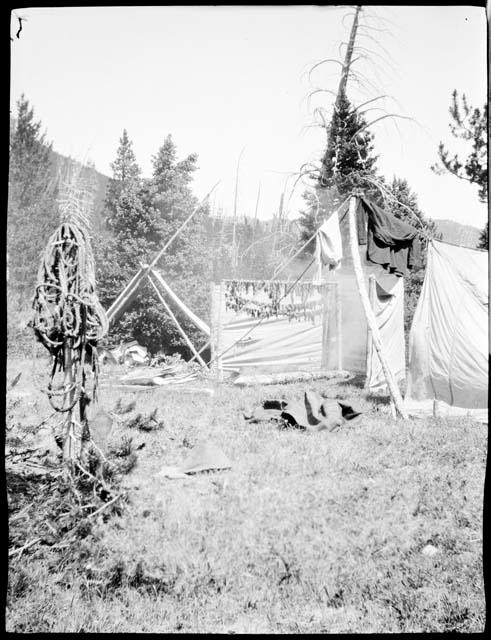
{"x":374,"y":528}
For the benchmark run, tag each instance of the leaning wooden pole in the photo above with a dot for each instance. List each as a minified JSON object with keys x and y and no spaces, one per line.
{"x":178,"y":231}
{"x":176,"y":322}
{"x":119,"y":304}
{"x":201,"y":324}
{"x":370,"y":316}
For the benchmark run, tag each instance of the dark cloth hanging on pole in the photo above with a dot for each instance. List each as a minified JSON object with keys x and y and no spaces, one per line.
{"x":392,"y":243}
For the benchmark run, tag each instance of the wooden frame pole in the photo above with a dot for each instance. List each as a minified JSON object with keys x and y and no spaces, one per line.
{"x":325,"y":327}
{"x":332,"y":330}
{"x":372,"y":322}
{"x":371,"y":297}
{"x":216,"y":320}
{"x":221,"y":310}
{"x":339,"y":326}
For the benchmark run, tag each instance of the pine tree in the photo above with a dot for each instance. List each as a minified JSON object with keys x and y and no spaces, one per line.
{"x":187,"y":266}
{"x":351,"y":158}
{"x":483,"y":238}
{"x":345,"y":165}
{"x":125,"y":168}
{"x":142,"y":215}
{"x":469,"y":124}
{"x":134,"y":235}
{"x":126,"y":173}
{"x":32,"y":209}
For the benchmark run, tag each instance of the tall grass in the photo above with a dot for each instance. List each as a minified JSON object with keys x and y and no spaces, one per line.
{"x":374,"y":528}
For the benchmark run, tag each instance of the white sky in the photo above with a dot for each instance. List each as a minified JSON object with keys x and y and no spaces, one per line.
{"x":223,"y":78}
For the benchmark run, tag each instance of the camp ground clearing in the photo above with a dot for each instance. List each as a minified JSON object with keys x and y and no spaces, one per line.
{"x":311,"y":467}
{"x":373,"y":526}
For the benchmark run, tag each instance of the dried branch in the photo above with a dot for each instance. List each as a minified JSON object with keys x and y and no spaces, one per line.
{"x":389,"y":115}
{"x":104,"y":506}
{"x":369,"y":101}
{"x":318,"y":64}
{"x":13,"y":552}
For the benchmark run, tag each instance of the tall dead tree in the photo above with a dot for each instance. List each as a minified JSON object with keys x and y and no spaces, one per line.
{"x":348,"y":60}
{"x":234,"y":239}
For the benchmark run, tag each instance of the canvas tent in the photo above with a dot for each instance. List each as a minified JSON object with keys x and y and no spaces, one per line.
{"x":316,"y":323}
{"x":448,"y":342}
{"x":285,"y":343}
{"x":330,"y":329}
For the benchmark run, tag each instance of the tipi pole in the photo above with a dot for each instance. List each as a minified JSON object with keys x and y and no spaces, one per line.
{"x":176,"y":322}
{"x":174,"y":235}
{"x":192,"y":316}
{"x":200,"y":351}
{"x":118,"y":305}
{"x":370,"y":316}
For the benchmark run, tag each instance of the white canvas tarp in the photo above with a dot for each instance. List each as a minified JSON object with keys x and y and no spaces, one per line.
{"x":282,"y":342}
{"x":388,"y":307}
{"x":276,"y":341}
{"x":448,"y":342}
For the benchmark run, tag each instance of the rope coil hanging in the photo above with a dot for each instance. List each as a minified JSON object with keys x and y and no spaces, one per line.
{"x":68,"y":317}
{"x":65,"y":304}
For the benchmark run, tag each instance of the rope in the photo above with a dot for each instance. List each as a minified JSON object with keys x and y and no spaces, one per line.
{"x":66,"y":307}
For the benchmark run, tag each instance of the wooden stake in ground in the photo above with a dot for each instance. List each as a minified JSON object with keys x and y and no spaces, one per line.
{"x":69,"y":451}
{"x":370,"y":316}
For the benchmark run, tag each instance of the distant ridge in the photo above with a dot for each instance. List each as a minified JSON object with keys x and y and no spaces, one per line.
{"x":463,"y":235}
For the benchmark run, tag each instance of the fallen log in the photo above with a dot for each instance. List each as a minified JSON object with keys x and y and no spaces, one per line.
{"x":170,"y":387}
{"x":291,"y":376}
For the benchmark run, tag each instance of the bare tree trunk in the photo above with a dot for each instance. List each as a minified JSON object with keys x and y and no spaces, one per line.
{"x":348,"y":58}
{"x":234,"y":247}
